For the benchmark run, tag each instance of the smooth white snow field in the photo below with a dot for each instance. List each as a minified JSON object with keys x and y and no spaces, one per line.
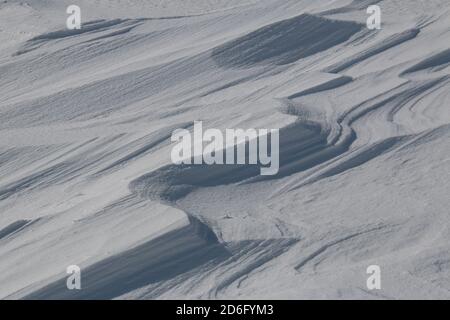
{"x":86,"y":177}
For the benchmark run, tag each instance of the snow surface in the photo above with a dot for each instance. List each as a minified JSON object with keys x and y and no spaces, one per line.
{"x":85,"y":170}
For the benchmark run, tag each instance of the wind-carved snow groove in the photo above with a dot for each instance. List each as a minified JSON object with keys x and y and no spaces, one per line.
{"x":285,"y":41}
{"x":68,"y":165}
{"x":15,"y":227}
{"x":322,"y":249}
{"x":437,"y":62}
{"x":386,"y":44}
{"x":149,"y":142}
{"x":328,"y":85}
{"x":39,"y":179}
{"x":248,"y":257}
{"x":90,"y":27}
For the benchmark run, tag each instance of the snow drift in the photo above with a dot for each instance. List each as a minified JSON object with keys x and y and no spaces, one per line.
{"x":85,"y":171}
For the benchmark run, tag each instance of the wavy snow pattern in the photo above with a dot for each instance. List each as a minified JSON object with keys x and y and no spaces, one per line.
{"x":364,"y":123}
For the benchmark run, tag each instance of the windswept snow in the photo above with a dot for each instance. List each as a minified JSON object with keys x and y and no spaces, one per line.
{"x":85,"y":140}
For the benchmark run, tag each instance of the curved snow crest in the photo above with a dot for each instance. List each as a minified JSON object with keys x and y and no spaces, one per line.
{"x":302,"y":145}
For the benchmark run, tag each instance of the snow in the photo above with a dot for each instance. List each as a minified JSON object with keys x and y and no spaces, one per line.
{"x":86,"y":177}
